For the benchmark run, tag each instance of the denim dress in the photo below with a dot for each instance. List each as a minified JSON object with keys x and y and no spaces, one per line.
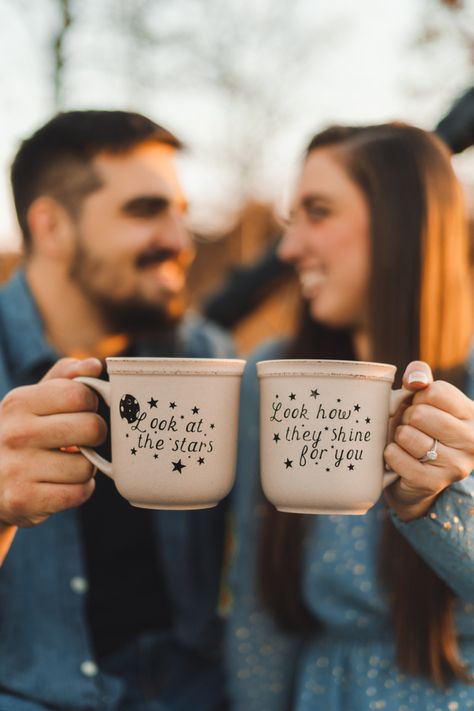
{"x":351,"y":665}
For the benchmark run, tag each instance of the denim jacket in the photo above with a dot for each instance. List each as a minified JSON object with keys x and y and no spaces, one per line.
{"x":46,"y":656}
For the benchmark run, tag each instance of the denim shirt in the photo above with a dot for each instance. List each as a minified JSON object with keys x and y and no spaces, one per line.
{"x":46,"y":655}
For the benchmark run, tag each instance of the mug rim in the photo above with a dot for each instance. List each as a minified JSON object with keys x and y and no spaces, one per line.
{"x":174,"y":366}
{"x":323,"y":368}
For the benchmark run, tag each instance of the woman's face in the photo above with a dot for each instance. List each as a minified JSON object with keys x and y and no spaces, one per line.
{"x":328,"y":241}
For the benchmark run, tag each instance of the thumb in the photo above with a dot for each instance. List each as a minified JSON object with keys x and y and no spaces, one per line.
{"x":71,"y":368}
{"x":417,"y":375}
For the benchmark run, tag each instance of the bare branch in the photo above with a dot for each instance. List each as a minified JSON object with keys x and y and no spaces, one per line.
{"x":58,"y":40}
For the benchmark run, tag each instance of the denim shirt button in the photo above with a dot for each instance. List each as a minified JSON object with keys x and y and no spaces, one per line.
{"x":79,"y":585}
{"x":89,"y":668}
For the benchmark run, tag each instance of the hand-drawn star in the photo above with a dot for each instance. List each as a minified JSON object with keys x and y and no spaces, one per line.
{"x":155,"y":456}
{"x":289,"y":463}
{"x":292,"y":396}
{"x":133,"y":450}
{"x":276,"y":437}
{"x":152,"y":402}
{"x":357,"y":408}
{"x":172,"y":405}
{"x":351,"y":467}
{"x":212,"y":426}
{"x":201,"y":460}
{"x":314,"y":393}
{"x":195,"y":410}
{"x":367,"y":419}
{"x":178,"y":466}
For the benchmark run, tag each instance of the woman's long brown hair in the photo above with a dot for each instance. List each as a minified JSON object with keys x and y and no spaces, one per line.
{"x":420,"y":308}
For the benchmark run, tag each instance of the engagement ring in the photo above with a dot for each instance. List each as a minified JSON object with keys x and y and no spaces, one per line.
{"x":432,"y":454}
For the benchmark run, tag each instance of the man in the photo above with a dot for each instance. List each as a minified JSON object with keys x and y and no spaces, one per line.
{"x":102,"y":606}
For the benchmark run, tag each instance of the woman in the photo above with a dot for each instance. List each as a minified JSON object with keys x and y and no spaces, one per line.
{"x":374,"y":611}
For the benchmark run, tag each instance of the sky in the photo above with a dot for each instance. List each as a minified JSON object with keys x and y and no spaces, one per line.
{"x":365,"y":66}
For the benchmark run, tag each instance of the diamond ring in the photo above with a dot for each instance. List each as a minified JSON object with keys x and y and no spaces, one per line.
{"x":432,"y":454}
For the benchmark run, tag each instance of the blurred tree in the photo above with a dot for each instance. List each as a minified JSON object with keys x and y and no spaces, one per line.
{"x":58,"y":52}
{"x":240,"y":56}
{"x":57,"y":15}
{"x":147,"y":34}
{"x":442,"y":38}
{"x":454,"y":18}
{"x":250,"y":63}
{"x":254,"y":56}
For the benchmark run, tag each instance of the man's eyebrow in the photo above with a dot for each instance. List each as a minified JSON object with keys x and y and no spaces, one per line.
{"x":146,"y":205}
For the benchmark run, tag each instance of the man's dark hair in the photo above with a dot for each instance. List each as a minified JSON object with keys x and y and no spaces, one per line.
{"x":57,"y":159}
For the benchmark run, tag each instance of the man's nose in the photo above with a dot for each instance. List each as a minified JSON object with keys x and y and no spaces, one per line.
{"x":175,"y":234}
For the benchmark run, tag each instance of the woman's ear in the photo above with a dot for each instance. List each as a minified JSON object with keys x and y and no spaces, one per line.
{"x":50,"y":226}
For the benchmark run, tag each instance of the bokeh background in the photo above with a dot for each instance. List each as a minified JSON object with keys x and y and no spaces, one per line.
{"x":244,"y":83}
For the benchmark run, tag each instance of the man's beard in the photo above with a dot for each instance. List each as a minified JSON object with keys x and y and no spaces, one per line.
{"x":135,"y":317}
{"x":132,"y":315}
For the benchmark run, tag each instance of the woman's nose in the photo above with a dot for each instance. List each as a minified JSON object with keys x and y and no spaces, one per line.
{"x":292,"y":244}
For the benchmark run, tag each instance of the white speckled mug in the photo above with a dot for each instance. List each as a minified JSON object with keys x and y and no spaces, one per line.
{"x":173,"y":427}
{"x":323,"y":429}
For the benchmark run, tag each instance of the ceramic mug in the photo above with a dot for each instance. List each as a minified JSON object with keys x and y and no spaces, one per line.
{"x":174,"y":424}
{"x":323,"y":430}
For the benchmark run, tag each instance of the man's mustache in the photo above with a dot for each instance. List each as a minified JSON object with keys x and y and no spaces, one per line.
{"x":156,"y":256}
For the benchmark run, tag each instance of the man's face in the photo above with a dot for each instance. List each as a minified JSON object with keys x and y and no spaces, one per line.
{"x":131,"y":247}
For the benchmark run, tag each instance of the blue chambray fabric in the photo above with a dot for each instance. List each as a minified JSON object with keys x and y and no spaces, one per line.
{"x":352,"y":665}
{"x":44,"y":638}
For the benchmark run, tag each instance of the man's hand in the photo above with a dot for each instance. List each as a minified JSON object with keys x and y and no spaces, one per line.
{"x":438,"y":411}
{"x":37,"y":424}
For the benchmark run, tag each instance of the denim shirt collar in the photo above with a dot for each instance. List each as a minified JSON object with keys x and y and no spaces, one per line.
{"x":23,"y":327}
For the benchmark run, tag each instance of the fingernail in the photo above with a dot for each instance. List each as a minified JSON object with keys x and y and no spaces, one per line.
{"x":88,"y":362}
{"x":92,"y":361}
{"x":73,"y":366}
{"x":418,"y":376}
{"x":77,"y":365}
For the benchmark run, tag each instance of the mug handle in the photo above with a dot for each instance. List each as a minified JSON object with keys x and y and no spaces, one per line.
{"x":102,"y":387}
{"x":396,"y":399}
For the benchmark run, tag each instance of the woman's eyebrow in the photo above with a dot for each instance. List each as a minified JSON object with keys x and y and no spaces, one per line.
{"x":310,"y":198}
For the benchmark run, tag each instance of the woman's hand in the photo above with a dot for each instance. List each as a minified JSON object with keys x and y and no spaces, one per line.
{"x":438,"y":411}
